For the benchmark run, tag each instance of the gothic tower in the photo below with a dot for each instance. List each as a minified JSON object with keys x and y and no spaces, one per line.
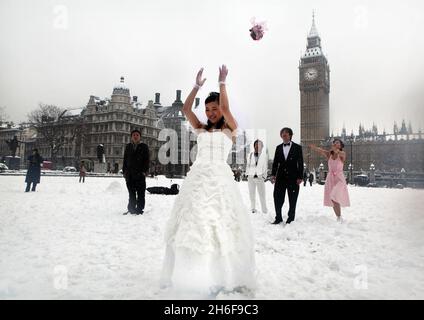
{"x":314,"y":85}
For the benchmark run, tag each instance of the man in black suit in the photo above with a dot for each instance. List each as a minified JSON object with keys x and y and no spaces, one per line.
{"x":287,"y":174}
{"x":135,"y":168}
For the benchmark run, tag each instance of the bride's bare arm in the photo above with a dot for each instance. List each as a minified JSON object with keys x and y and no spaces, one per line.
{"x":188,"y":104}
{"x":223,"y":99}
{"x":190,"y":115}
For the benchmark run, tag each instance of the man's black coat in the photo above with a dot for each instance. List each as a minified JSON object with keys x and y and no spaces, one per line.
{"x":290,"y":169}
{"x":136,"y":161}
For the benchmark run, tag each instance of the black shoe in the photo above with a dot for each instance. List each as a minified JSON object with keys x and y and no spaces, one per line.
{"x":277,"y":221}
{"x":289,"y":221}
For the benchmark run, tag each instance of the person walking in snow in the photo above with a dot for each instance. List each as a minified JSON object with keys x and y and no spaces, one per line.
{"x":311,"y":178}
{"x":82,"y":172}
{"x":34,"y":170}
{"x":135,"y":168}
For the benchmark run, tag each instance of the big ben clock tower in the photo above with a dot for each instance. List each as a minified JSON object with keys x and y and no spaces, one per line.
{"x":314,"y":85}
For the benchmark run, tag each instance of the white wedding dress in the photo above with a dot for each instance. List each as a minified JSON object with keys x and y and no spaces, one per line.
{"x":209,"y":239}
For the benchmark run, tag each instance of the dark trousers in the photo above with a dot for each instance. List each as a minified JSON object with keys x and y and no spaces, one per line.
{"x":136,"y":191}
{"x":280,"y":189}
{"x":83,"y":179}
{"x":34,"y":185}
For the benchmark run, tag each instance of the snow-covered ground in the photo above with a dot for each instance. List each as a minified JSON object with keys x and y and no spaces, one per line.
{"x":70,"y":241}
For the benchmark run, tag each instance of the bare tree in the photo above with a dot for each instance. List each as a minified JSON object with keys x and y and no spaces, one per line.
{"x":55,"y":128}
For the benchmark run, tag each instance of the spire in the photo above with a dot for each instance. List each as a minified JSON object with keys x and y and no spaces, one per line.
{"x":403,"y":129}
{"x":410,"y":130}
{"x":314,"y":32}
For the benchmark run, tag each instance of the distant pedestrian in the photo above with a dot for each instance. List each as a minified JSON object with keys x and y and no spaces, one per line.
{"x":237,"y":175}
{"x":305,"y":178}
{"x":34,"y":170}
{"x":82,"y":172}
{"x":311,"y":178}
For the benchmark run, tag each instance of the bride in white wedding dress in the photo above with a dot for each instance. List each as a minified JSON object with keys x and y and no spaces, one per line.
{"x":209,"y":239}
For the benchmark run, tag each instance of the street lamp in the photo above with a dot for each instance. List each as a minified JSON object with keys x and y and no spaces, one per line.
{"x":350,"y":173}
{"x":351,"y":138}
{"x":321,"y":172}
{"x":372,"y":173}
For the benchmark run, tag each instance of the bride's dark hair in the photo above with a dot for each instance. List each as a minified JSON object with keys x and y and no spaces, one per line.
{"x":214,"y":97}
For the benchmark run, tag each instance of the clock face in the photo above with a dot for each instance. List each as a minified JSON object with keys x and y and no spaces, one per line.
{"x":311,"y":74}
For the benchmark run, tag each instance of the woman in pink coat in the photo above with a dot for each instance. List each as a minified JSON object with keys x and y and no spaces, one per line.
{"x":335,"y":192}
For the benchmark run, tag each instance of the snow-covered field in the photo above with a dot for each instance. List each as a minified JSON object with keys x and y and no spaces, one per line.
{"x":70,"y":241}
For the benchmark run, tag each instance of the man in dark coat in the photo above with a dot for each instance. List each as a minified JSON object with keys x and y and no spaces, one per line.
{"x":135,"y":168}
{"x":34,"y":170}
{"x":305,"y":178}
{"x":311,"y":178}
{"x":287,"y":175}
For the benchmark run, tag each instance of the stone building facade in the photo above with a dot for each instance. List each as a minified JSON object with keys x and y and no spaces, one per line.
{"x":109,"y":122}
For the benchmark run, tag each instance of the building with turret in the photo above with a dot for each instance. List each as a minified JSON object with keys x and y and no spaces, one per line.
{"x":108,"y":122}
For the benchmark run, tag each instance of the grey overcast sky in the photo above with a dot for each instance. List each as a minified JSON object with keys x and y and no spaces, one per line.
{"x":61,"y":52}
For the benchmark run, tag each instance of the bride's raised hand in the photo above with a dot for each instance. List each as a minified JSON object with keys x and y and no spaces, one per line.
{"x":223,"y":72}
{"x":199,"y":81}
